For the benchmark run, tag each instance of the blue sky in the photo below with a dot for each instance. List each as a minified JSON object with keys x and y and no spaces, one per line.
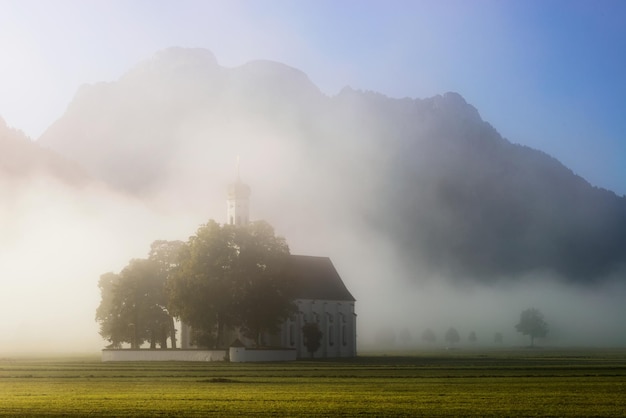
{"x":548,"y":74}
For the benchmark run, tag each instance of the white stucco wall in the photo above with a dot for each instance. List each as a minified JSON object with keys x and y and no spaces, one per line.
{"x":163,"y":355}
{"x":337,"y":321}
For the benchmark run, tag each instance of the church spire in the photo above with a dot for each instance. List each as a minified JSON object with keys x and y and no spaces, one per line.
{"x":238,"y":201}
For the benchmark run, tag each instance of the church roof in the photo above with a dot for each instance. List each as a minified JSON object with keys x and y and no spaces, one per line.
{"x":316,"y":278}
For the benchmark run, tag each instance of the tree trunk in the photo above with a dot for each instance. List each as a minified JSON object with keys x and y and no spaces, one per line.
{"x":218,"y":337}
{"x":163,"y":331}
{"x":173,"y":332}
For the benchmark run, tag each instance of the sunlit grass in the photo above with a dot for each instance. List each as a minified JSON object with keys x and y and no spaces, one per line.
{"x":441,"y":384}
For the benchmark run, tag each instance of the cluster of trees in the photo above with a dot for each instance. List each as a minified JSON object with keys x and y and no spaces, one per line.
{"x":531,"y":323}
{"x":452,"y":336}
{"x":224,"y":277}
{"x":134,"y":303}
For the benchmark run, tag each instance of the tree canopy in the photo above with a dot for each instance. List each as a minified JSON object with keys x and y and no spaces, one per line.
{"x":532,"y":323}
{"x":223,"y":277}
{"x":231,"y":277}
{"x":132,"y":309}
{"x":452,"y":336}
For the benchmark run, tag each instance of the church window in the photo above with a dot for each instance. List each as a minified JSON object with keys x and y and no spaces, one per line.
{"x":344,"y":337}
{"x":331,"y":336}
{"x":292,"y":340}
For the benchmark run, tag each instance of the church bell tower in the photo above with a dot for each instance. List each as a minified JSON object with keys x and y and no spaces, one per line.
{"x":238,"y":202}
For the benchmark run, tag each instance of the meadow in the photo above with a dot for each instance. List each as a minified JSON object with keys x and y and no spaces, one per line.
{"x":558,"y":383}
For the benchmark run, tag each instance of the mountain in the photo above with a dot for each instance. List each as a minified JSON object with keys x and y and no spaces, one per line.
{"x":441,"y":186}
{"x":22,"y":159}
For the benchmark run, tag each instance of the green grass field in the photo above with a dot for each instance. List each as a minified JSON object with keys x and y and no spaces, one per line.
{"x":568,"y":383}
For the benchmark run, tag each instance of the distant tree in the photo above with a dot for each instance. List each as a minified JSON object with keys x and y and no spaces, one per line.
{"x":312,"y":337}
{"x":452,"y":336}
{"x":231,"y":277}
{"x":405,"y":336}
{"x":498,"y":338}
{"x":532,"y":323}
{"x":429,"y":336}
{"x":472,"y":337}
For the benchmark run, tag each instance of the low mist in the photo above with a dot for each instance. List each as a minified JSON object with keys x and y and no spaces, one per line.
{"x":57,"y":240}
{"x":322,"y":185}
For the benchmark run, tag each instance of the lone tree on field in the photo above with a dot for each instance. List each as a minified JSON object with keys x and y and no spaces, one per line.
{"x":472,"y":337}
{"x":498,"y":338}
{"x":452,"y":336}
{"x":531,"y":323}
{"x":312,"y":337}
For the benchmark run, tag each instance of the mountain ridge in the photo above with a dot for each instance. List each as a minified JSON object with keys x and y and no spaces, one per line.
{"x":22,"y":159}
{"x":430,"y":175}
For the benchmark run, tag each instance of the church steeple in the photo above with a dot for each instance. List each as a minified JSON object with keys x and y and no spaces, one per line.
{"x":238,"y":202}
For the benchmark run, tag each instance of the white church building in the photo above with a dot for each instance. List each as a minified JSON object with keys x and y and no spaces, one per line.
{"x":321,"y":296}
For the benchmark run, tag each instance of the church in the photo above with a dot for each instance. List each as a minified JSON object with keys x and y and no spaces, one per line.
{"x":320,"y":296}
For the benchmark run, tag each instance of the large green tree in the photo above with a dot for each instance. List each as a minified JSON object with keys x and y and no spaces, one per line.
{"x":113,"y":321}
{"x":532,"y":323}
{"x":231,"y":277}
{"x":133,"y":306}
{"x":166,"y":256}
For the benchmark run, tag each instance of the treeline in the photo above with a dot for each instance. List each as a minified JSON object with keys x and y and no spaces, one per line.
{"x":531,"y":323}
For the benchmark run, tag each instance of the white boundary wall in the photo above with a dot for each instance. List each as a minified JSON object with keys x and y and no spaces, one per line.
{"x":237,"y":355}
{"x":163,"y":355}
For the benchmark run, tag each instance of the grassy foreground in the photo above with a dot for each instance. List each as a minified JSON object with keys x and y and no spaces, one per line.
{"x":445,"y":384}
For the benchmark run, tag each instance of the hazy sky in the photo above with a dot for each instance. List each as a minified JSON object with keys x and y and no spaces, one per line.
{"x":548,"y":74}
